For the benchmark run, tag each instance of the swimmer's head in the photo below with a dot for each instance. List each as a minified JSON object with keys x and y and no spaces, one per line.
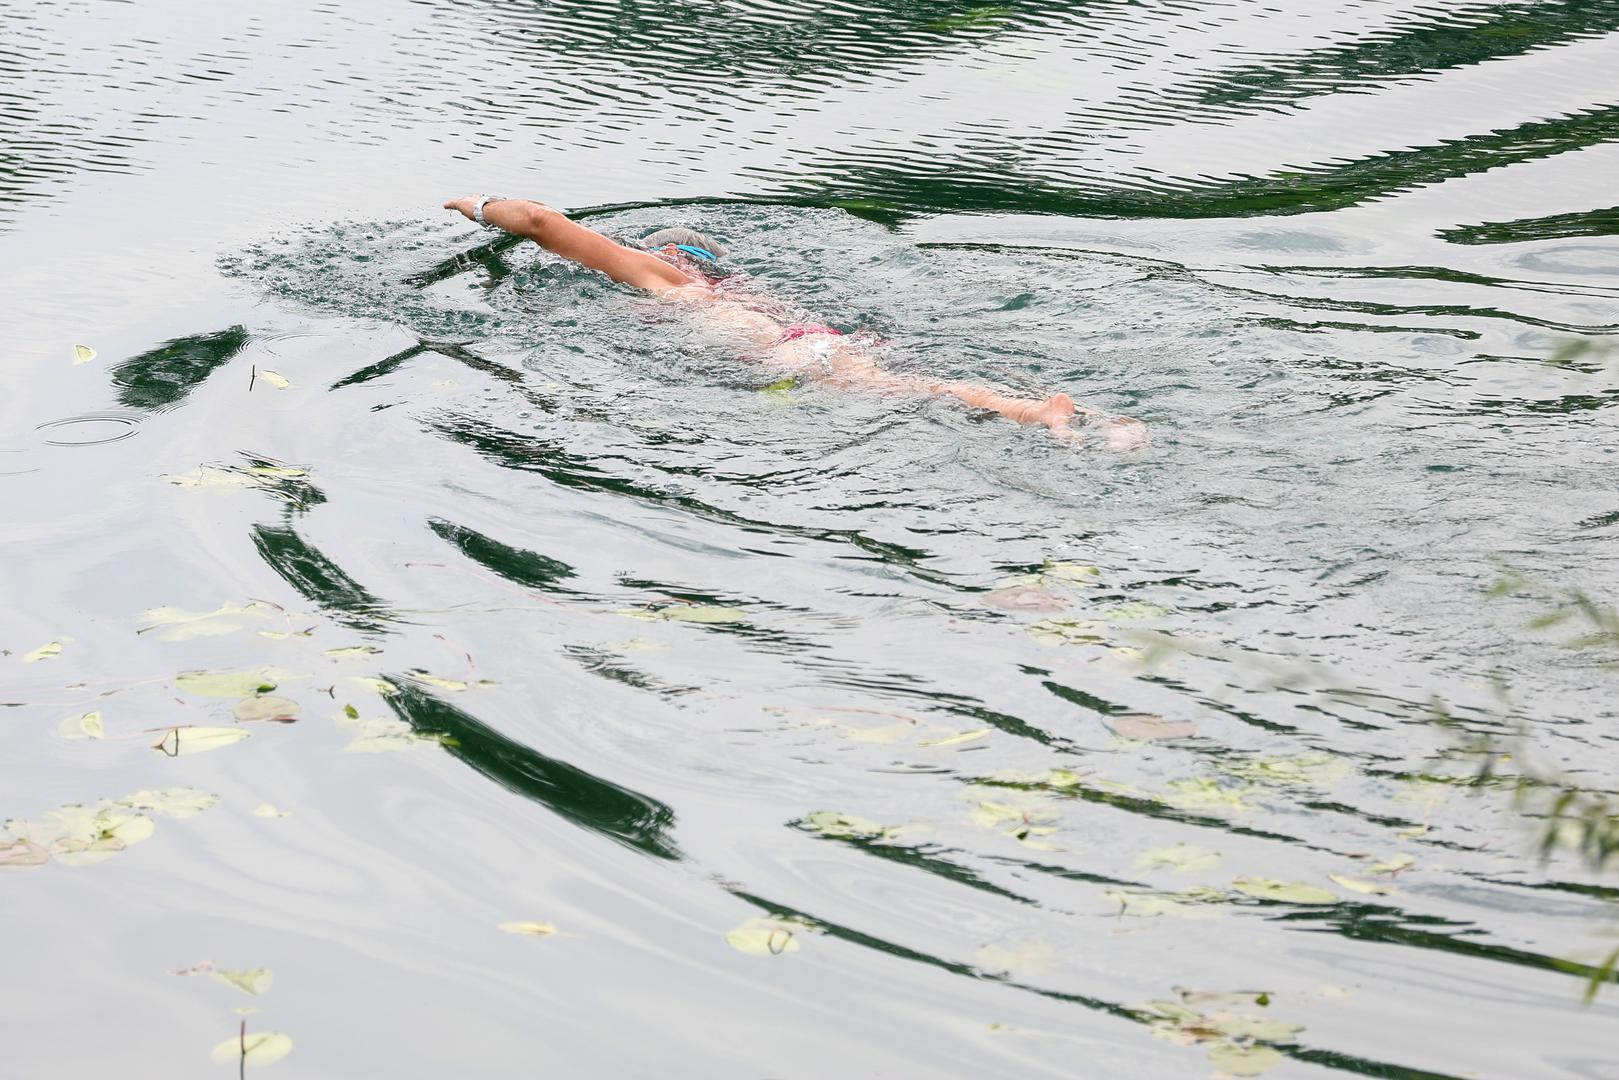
{"x":704,"y":249}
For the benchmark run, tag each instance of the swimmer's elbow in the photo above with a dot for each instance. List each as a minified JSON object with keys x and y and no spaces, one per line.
{"x":539,"y":222}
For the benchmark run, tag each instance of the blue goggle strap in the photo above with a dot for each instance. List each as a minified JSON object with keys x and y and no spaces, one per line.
{"x":697,"y":252}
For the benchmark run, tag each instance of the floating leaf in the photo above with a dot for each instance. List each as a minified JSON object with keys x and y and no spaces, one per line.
{"x":1143,"y":727}
{"x":845,"y":826}
{"x":174,"y":624}
{"x":1204,"y":793}
{"x":23,"y":855}
{"x":1024,"y":598}
{"x":387,"y":735}
{"x":85,"y":726}
{"x":1180,"y":858}
{"x":1070,"y":572}
{"x":274,"y":378}
{"x":377,"y":686}
{"x":266,"y":707}
{"x":231,"y":684}
{"x":254,"y":1048}
{"x":212,"y":476}
{"x":1314,"y":769}
{"x":179,"y":802}
{"x":189,"y":739}
{"x":1022,"y":959}
{"x":254,"y":981}
{"x":1398,"y":864}
{"x":958,"y":738}
{"x":1234,"y":1060}
{"x":434,"y":680}
{"x":1065,"y":632}
{"x":767,"y":936}
{"x":83,"y":354}
{"x":1361,"y":885}
{"x":1033,"y":836}
{"x":78,"y":851}
{"x":992,"y":813}
{"x":1186,"y":904}
{"x":48,"y":651}
{"x":531,"y":929}
{"x":1287,"y":892}
{"x":268,"y":811}
{"x":352,"y":652}
{"x":1129,"y":612}
{"x":693,"y":613}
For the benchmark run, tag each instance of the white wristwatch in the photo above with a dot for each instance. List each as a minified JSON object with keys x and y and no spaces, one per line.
{"x":477,"y":211}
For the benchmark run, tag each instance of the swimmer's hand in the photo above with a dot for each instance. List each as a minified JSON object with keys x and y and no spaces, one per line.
{"x":465,"y":205}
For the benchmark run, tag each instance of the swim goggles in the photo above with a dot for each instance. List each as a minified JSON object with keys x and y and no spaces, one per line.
{"x":698,"y":253}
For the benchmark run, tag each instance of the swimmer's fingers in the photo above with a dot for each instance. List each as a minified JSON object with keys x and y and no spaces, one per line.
{"x":467,"y":206}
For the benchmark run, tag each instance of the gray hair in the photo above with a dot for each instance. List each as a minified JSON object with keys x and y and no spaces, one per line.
{"x":682,"y":235}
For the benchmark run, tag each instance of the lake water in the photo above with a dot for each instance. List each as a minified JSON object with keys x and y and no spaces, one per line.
{"x":651,"y":716}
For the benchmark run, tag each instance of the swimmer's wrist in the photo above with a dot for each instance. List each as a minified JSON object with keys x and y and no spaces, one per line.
{"x":477,"y":210}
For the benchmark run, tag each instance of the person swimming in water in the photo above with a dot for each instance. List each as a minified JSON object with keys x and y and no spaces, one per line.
{"x":679,"y":265}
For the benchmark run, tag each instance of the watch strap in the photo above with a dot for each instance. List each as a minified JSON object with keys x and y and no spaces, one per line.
{"x":477,"y":211}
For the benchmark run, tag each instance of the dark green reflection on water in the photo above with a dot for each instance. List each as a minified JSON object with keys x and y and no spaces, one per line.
{"x":527,"y":568}
{"x":317,"y":578}
{"x":1552,"y":227}
{"x":162,"y":377}
{"x":588,"y":801}
{"x":1460,"y":36}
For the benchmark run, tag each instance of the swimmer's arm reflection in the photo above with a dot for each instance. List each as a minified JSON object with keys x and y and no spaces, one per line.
{"x":671,"y":271}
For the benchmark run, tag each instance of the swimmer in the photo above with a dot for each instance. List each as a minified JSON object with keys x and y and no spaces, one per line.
{"x":678,"y":265}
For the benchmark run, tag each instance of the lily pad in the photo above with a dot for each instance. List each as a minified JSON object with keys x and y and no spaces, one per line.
{"x":175,"y":624}
{"x":23,"y":855}
{"x":177,"y":802}
{"x":767,"y":936}
{"x":1194,"y":903}
{"x":1065,"y":632}
{"x":253,"y":981}
{"x":275,"y":379}
{"x":1287,"y":892}
{"x":692,"y":613}
{"x":845,"y":826}
{"x":1179,"y":858}
{"x":958,"y":738}
{"x":48,"y":651}
{"x":1398,"y":864}
{"x":352,"y":652}
{"x":84,"y":726}
{"x":229,"y":684}
{"x":1234,"y":1060}
{"x":1361,"y":885}
{"x":266,"y":810}
{"x":266,"y":707}
{"x":1143,"y":727}
{"x":189,"y":739}
{"x":254,"y":1048}
{"x":1314,"y":769}
{"x":83,"y":354}
{"x":529,"y":929}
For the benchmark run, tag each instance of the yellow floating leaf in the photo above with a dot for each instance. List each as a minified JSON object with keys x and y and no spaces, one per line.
{"x":84,"y":726}
{"x":377,"y":686}
{"x":232,"y":684}
{"x":959,"y":738}
{"x":175,"y":624}
{"x":1314,"y":769}
{"x":179,"y":802}
{"x":1070,"y":572}
{"x":1187,"y":904}
{"x":1392,"y":866}
{"x":1287,"y":892}
{"x":77,"y":851}
{"x":387,"y":735}
{"x":188,"y":739}
{"x":766,"y":937}
{"x":1204,"y":793}
{"x":48,"y":651}
{"x":255,"y":1048}
{"x":274,"y":378}
{"x":887,"y":733}
{"x":434,"y":680}
{"x":844,"y":826}
{"x":1234,"y":1060}
{"x":1022,"y":959}
{"x":1179,"y":858}
{"x":1032,"y":836}
{"x":83,"y":354}
{"x":700,"y":613}
{"x":1065,"y":632}
{"x":530,"y":929}
{"x":266,"y":810}
{"x":266,"y":707}
{"x":1361,"y":885}
{"x":254,"y":981}
{"x":122,"y":826}
{"x":352,"y":652}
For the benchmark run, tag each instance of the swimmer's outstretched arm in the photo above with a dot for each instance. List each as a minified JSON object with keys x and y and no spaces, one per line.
{"x":552,"y":230}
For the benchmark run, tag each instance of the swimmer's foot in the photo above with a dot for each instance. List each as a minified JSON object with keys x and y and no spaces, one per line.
{"x":1123,"y":432}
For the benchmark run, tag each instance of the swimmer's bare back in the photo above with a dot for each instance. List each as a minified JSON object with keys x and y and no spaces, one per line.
{"x":817,"y":352}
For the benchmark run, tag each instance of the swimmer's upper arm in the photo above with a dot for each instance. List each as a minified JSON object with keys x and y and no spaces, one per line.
{"x":552,"y":230}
